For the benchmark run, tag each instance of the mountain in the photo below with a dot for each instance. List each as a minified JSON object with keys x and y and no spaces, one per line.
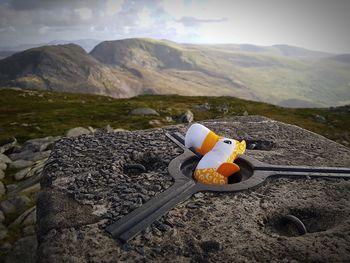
{"x":65,"y":68}
{"x":344,"y":58}
{"x":277,"y":50}
{"x":280,"y":74}
{"x":6,"y":53}
{"x":86,"y":44}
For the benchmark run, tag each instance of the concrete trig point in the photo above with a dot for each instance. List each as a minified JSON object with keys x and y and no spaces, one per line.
{"x":83,"y":195}
{"x":252,"y":174}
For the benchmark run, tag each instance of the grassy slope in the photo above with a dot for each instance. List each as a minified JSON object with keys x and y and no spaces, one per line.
{"x":36,"y":114}
{"x":268,"y":77}
{"x":275,"y":78}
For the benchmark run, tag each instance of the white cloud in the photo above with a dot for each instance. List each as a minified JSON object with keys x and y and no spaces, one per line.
{"x":8,"y":29}
{"x":145,"y":20}
{"x":200,"y":9}
{"x":43,"y":30}
{"x":84,"y":13}
{"x":113,"y":7}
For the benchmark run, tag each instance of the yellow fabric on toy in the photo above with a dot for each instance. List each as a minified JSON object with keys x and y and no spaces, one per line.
{"x":218,"y":153}
{"x":213,"y":175}
{"x":218,"y":164}
{"x":240,"y":149}
{"x":209,"y":176}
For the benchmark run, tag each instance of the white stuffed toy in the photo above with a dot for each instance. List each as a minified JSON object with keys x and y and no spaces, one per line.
{"x":218,"y":153}
{"x":200,"y":138}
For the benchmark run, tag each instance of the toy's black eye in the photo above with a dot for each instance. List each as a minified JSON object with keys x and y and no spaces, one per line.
{"x":228,"y":142}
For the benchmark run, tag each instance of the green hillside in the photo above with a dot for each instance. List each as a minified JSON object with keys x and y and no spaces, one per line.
{"x":33,"y":114}
{"x":281,"y":75}
{"x":274,"y":74}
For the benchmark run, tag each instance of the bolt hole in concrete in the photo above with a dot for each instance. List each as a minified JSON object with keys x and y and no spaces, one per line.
{"x":314,"y":220}
{"x":188,"y":167}
{"x":259,"y":145}
{"x":142,"y":164}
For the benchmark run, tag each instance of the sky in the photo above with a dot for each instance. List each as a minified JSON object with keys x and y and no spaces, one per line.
{"x":314,"y":24}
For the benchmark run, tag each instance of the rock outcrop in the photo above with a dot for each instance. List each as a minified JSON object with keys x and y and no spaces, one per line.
{"x":20,"y":171}
{"x":87,"y":184}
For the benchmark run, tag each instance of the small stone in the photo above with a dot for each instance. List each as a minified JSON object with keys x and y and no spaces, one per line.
{"x":19,"y":164}
{"x":11,"y":187}
{"x":245,"y":113}
{"x":264,"y":205}
{"x":27,"y":218}
{"x":120,"y":130}
{"x":39,"y":144}
{"x":2,"y":189}
{"x":3,"y":232}
{"x":21,"y":174}
{"x":30,"y":156}
{"x":202,"y":107}
{"x":75,"y":132}
{"x":28,"y":230}
{"x":2,"y":174}
{"x":108,"y":128}
{"x":143,"y":111}
{"x":14,"y":204}
{"x":4,"y":158}
{"x":34,"y":188}
{"x":186,"y":117}
{"x":2,"y":217}
{"x":210,"y":246}
{"x":155,"y":123}
{"x":192,"y":205}
{"x":140,"y":250}
{"x":320,"y":118}
{"x":168,"y":119}
{"x":222,"y":108}
{"x":160,"y":226}
{"x":7,"y":144}
{"x":199,"y":195}
{"x":3,"y":166}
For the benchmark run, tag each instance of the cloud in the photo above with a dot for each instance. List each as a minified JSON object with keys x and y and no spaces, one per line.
{"x":21,"y":5}
{"x":7,"y":29}
{"x":319,"y":24}
{"x":84,"y":13}
{"x":193,"y":21}
{"x":113,"y":7}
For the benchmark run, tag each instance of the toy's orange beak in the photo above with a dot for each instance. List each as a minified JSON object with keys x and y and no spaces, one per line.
{"x":208,"y":143}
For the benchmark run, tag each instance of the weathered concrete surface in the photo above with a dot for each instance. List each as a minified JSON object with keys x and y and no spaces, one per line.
{"x":85,"y":187}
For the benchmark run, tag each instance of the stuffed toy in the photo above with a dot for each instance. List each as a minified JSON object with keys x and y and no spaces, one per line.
{"x":218,"y":153}
{"x":200,"y":138}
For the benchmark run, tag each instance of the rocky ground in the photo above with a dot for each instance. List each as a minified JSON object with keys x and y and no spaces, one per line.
{"x":87,"y":183}
{"x":21,"y":169}
{"x":20,"y":173}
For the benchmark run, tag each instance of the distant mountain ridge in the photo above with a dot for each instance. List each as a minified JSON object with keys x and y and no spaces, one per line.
{"x":87,"y":44}
{"x":280,"y":74}
{"x":279,"y":50}
{"x":65,"y":68}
